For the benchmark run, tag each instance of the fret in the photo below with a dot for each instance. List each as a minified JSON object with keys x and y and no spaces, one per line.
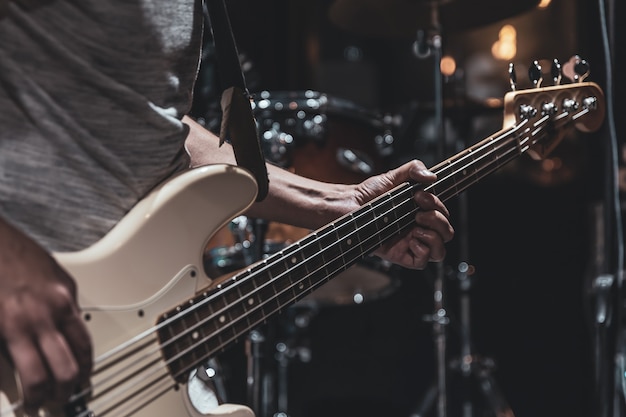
{"x":369,"y":236}
{"x":266,"y":294}
{"x":247,"y":289}
{"x":347,"y":239}
{"x":404,"y":209}
{"x":230,"y":294}
{"x":202,"y":329}
{"x":311,"y":253}
{"x":227,"y":321}
{"x":209,"y":323}
{"x":256,"y":316}
{"x":385,"y":217}
{"x":326,"y":239}
{"x":239,"y":328}
{"x":363,"y":217}
{"x":300,"y":281}
{"x":217,"y":301}
{"x":283,"y":284}
{"x":284,"y":299}
{"x":366,"y":225}
{"x":276,"y":267}
{"x":335,"y":266}
{"x":328,"y":242}
{"x":318,"y":278}
{"x":212,"y":345}
{"x":237,"y":309}
{"x":309,"y":245}
{"x":202,"y":349}
{"x":297,"y":280}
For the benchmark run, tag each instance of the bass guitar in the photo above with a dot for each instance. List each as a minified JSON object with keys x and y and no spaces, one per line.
{"x":157,"y":318}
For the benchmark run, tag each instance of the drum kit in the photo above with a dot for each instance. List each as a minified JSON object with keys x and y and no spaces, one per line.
{"x":328,"y":138}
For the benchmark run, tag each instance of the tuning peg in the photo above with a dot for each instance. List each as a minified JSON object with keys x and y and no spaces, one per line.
{"x":582,"y":69}
{"x":512,"y":77}
{"x":576,"y":69}
{"x":556,"y":71}
{"x":534,"y":73}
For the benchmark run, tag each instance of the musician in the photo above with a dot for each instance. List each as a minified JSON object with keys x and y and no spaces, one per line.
{"x":93,"y":98}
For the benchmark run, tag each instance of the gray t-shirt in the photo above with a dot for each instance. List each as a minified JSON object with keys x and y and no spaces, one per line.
{"x":92,"y":93}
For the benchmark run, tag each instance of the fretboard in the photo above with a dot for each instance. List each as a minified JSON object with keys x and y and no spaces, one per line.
{"x":213,"y":320}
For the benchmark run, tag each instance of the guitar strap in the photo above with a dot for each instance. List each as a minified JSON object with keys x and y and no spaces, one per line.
{"x":238,"y":122}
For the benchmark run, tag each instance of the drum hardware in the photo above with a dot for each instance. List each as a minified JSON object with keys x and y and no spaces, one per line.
{"x":301,"y":128}
{"x":429,"y":44}
{"x":270,"y":350}
{"x":355,"y":161}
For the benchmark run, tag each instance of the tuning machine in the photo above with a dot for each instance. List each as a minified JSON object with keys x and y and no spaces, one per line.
{"x":576,"y":69}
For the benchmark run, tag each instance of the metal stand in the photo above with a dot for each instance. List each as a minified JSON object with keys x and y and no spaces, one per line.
{"x":469,"y":364}
{"x":270,"y":351}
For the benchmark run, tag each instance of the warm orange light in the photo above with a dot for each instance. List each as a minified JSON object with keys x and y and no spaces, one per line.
{"x":447,"y":65}
{"x":508,"y":33}
{"x":505,"y":48}
{"x":543,"y":4}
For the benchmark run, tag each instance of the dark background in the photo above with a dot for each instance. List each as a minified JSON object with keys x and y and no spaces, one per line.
{"x":528,"y":231}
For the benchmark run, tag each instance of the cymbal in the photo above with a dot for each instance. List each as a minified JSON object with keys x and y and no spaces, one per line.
{"x":403,"y":18}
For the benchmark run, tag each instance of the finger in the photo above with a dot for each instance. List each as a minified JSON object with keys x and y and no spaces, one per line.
{"x":79,"y":340}
{"x":428,"y":201}
{"x":30,"y":367}
{"x":407,"y":252}
{"x":413,"y":170}
{"x":419,"y":173}
{"x":436,"y":222}
{"x":64,"y":369}
{"x":419,"y":254}
{"x":429,"y":243}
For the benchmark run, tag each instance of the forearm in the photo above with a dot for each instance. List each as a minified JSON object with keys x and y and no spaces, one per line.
{"x":302,"y":202}
{"x":291,"y":199}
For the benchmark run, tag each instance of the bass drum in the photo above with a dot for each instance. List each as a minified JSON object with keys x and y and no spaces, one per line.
{"x":327,"y":139}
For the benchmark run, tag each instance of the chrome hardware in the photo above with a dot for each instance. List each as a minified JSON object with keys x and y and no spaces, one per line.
{"x":590,"y":103}
{"x":570,"y":105}
{"x":512,"y":77}
{"x":556,"y":71}
{"x":526,"y":111}
{"x":549,"y":109}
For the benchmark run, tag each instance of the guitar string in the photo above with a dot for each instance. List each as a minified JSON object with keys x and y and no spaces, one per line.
{"x":456,"y":186}
{"x":372,"y":247}
{"x":437,"y":172}
{"x":211,"y":336}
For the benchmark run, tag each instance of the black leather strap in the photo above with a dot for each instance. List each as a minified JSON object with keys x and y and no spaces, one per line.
{"x":238,"y":123}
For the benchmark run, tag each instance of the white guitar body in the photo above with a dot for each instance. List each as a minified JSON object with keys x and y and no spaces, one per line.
{"x":151,"y":261}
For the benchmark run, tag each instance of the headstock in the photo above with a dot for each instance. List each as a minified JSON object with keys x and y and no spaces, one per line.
{"x":550,"y":112}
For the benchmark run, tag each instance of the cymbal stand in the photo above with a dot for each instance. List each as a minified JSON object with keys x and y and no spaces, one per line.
{"x":469,"y":364}
{"x":430,"y":45}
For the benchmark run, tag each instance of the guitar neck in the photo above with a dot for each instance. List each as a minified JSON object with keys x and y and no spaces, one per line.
{"x":214,"y":320}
